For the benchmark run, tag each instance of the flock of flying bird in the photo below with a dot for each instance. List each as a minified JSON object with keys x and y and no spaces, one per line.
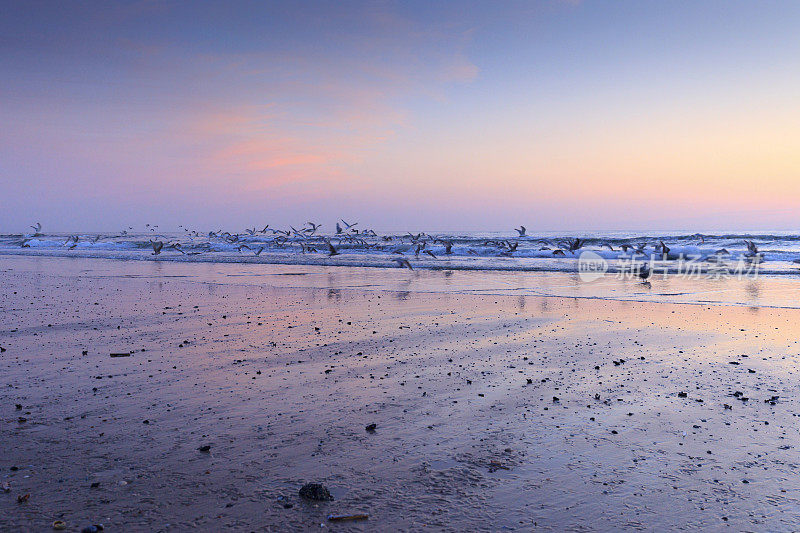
{"x":309,"y":239}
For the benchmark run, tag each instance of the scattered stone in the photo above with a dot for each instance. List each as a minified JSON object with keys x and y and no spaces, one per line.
{"x":22,"y":498}
{"x":371,"y":428}
{"x":315,"y":492}
{"x":346,"y":517}
{"x":121,"y":354}
{"x":205,"y":448}
{"x":59,"y":525}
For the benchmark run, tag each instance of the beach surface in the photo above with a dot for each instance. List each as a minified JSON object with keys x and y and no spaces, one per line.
{"x":501,"y":401}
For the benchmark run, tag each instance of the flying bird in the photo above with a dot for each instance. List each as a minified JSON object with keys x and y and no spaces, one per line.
{"x":331,"y":250}
{"x":157,"y":246}
{"x":521,"y":230}
{"x":403,"y":262}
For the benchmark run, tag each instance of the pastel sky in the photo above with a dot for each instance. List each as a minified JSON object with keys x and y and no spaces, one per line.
{"x":628,"y":115}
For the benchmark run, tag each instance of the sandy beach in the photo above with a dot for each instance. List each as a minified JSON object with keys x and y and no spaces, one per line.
{"x":491,"y":412}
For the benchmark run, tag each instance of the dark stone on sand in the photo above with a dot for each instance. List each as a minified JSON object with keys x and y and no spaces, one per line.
{"x":371,"y":427}
{"x":204,"y":448}
{"x":92,"y":529}
{"x":19,"y":407}
{"x":315,"y":492}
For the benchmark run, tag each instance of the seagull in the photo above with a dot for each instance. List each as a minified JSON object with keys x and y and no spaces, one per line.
{"x":348,"y":225}
{"x":574,"y":244}
{"x":430,"y":253}
{"x":448,"y":246}
{"x":259,"y":251}
{"x":753,"y":253}
{"x":664,"y":249}
{"x":521,"y":230}
{"x":644,"y":272}
{"x":331,"y":250}
{"x":402,"y":262}
{"x":265,"y":229}
{"x":338,"y":229}
{"x":157,"y":246}
{"x":37,"y":229}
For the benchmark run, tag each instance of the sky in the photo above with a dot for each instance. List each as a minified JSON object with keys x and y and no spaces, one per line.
{"x":559,"y":115}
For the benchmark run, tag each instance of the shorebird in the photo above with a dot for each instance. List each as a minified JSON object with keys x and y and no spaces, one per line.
{"x":752,"y":253}
{"x":521,"y":230}
{"x":403,"y":262}
{"x":338,"y":229}
{"x":644,"y":272}
{"x":574,"y":244}
{"x":448,"y":246}
{"x":157,"y":246}
{"x":664,"y":250}
{"x":331,"y":250}
{"x":348,"y":225}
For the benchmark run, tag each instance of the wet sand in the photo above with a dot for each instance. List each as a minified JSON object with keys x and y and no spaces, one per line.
{"x":492,"y":411}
